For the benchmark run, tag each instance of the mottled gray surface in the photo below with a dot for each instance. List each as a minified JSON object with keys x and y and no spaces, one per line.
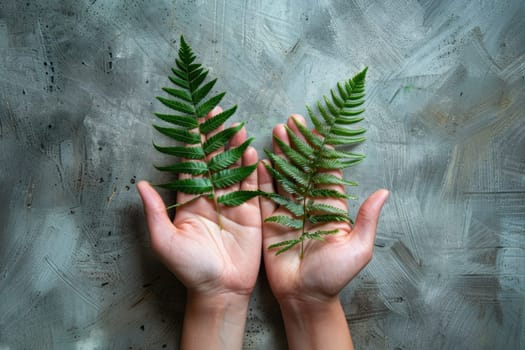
{"x":446,"y":124}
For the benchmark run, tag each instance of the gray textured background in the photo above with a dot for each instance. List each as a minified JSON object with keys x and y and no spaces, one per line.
{"x":446,"y":135}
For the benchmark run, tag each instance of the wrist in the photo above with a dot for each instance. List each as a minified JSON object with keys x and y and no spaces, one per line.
{"x":315,"y":324}
{"x":219,"y":303}
{"x":307,"y":308}
{"x":214,"y":321}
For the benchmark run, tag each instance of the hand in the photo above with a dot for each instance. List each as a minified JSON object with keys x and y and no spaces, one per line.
{"x":218,"y":266}
{"x":310,"y":286}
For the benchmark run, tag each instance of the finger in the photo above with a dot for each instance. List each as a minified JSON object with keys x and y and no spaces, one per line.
{"x":210,"y":115}
{"x":250,"y":157}
{"x":238,"y":138}
{"x":265,"y":184}
{"x":293,"y":118}
{"x":368,"y":216}
{"x":159,"y":224}
{"x":236,"y":141}
{"x":279,"y":132}
{"x":291,"y":123}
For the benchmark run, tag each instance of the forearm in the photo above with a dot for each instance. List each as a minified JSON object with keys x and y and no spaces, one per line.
{"x":316,"y":325}
{"x":214,"y":322}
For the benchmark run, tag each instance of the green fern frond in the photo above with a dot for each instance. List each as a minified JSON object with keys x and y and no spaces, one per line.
{"x":190,"y":101}
{"x":301,"y":170}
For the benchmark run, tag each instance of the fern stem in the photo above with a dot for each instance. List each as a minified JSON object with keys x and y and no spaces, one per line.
{"x":315,"y":169}
{"x":217,"y":206}
{"x":304,"y":220}
{"x":176,"y":205}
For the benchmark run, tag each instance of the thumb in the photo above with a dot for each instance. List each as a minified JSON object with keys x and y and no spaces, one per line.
{"x":368,"y":216}
{"x":159,"y":224}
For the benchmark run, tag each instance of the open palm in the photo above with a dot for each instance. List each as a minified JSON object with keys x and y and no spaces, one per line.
{"x":209,"y":253}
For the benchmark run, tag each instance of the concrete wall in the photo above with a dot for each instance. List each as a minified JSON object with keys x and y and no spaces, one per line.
{"x":446,"y":125}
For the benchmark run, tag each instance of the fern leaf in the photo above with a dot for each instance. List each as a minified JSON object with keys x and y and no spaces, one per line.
{"x":333,"y":153}
{"x":344,"y":140}
{"x":337,"y":101}
{"x":297,"y":158}
{"x":229,"y":157}
{"x":190,"y":100}
{"x":318,"y":124}
{"x":193,"y":168}
{"x":202,"y":92}
{"x":228,"y":177}
{"x":181,"y":72}
{"x":327,"y":117}
{"x":329,"y":179}
{"x":313,"y":139}
{"x":336,"y":164}
{"x":233,"y":199}
{"x":301,"y":170}
{"x":295,"y":208}
{"x":197,"y":77}
{"x":287,"y":185}
{"x":190,"y":186}
{"x":217,"y":120}
{"x":352,"y":104}
{"x":325,"y":208}
{"x":327,"y":164}
{"x":287,"y":245}
{"x":176,"y":105}
{"x":210,"y":104}
{"x":285,"y":220}
{"x":183,"y":152}
{"x":185,"y":121}
{"x":333,"y":109}
{"x":351,"y":113}
{"x":182,"y":94}
{"x":347,"y":132}
{"x":347,"y":121}
{"x":316,"y":219}
{"x":185,"y":52}
{"x":180,"y":135}
{"x":220,"y":139}
{"x":327,"y":193}
{"x":302,"y":147}
{"x":288,"y":169}
{"x":356,"y":96}
{"x":318,"y":235}
{"x":179,"y":82}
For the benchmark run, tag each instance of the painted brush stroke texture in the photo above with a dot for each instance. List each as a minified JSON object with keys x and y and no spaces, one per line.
{"x":446,"y":121}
